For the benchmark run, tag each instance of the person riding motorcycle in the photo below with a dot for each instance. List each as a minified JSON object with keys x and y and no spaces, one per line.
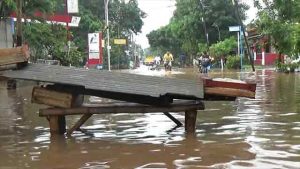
{"x":168,"y":58}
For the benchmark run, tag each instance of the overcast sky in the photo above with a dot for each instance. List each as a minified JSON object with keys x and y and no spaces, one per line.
{"x":159,"y":13}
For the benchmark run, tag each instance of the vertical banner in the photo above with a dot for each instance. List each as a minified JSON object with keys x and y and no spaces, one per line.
{"x":95,"y":49}
{"x":72,"y":6}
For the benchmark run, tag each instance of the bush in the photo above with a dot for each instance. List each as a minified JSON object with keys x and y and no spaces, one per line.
{"x":286,"y":68}
{"x":233,"y":62}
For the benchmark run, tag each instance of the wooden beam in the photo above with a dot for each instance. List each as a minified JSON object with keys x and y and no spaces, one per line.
{"x":78,"y":124}
{"x":124,"y":108}
{"x":228,"y":92}
{"x":14,"y":55}
{"x":53,"y":97}
{"x":177,"y":122}
{"x":190,"y":121}
{"x":57,"y":125}
{"x":229,"y":83}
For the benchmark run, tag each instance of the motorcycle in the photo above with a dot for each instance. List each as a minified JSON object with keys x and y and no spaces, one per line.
{"x":168,"y":65}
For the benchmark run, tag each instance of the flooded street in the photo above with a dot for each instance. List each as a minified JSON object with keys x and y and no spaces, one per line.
{"x":246,"y":133}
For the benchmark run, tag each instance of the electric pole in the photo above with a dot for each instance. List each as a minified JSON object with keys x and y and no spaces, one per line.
{"x":235,"y":3}
{"x":107,"y":33}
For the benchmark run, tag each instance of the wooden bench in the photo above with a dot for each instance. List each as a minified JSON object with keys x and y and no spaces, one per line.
{"x":56,"y":116}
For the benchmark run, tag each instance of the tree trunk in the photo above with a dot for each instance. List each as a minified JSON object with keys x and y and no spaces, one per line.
{"x":19,"y":23}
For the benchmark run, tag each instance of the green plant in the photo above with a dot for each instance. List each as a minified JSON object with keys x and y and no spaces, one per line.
{"x":233,"y":62}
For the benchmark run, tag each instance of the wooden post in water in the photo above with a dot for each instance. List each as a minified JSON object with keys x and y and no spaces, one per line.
{"x":11,"y":84}
{"x":190,"y":121}
{"x":60,"y":97}
{"x":57,"y":124}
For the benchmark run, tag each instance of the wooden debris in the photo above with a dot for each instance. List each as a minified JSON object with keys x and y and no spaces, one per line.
{"x":229,"y":92}
{"x":229,"y":88}
{"x":56,"y":98}
{"x":16,"y":55}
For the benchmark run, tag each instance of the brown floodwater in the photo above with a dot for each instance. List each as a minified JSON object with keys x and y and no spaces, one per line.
{"x":246,"y":133}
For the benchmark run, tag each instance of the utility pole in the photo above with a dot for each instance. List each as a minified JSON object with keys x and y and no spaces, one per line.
{"x":19,"y":23}
{"x":204,"y":23}
{"x":235,"y":3}
{"x":107,"y":33}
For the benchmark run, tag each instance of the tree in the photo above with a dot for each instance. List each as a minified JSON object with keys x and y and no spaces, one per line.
{"x":279,"y":20}
{"x":196,"y":22}
{"x":223,"y":48}
{"x":44,"y":39}
{"x":125,"y":19}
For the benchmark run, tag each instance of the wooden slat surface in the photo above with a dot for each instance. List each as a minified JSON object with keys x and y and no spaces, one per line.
{"x":109,"y":81}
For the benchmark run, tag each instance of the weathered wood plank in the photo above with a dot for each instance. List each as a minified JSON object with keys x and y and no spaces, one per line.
{"x":229,"y":92}
{"x":14,"y":55}
{"x":56,"y":98}
{"x":123,"y":108}
{"x":190,"y":121}
{"x":229,"y":83}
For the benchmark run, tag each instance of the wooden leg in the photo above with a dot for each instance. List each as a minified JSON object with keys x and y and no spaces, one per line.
{"x":177,"y":122}
{"x":79,"y":123}
{"x":190,"y":121}
{"x":57,"y":125}
{"x":11,"y":84}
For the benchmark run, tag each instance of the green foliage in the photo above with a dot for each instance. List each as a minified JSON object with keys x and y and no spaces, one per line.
{"x":223,"y":48}
{"x":233,"y":62}
{"x":186,"y":32}
{"x":286,"y":67}
{"x":279,"y":20}
{"x":49,"y":41}
{"x":6,"y":7}
{"x":125,"y":19}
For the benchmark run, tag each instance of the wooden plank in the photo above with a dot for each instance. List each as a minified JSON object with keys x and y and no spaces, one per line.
{"x":220,"y":91}
{"x":123,"y":108}
{"x":14,"y":55}
{"x":177,"y":122}
{"x":190,"y":121}
{"x":79,"y":123}
{"x":55,"y":98}
{"x":229,"y":83}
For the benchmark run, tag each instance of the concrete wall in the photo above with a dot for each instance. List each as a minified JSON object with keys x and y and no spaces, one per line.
{"x":6,"y":39}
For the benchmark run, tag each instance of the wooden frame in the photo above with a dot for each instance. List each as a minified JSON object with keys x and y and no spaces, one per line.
{"x":189,"y":107}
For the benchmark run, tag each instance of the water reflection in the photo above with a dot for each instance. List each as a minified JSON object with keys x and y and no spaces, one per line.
{"x":91,"y":153}
{"x":246,"y":133}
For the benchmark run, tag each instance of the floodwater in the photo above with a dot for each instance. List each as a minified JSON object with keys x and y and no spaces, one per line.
{"x":246,"y":133}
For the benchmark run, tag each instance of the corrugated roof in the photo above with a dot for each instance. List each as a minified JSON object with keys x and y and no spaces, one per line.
{"x":109,"y":81}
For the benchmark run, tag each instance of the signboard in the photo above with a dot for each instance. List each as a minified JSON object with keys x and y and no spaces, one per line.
{"x":95,"y":49}
{"x":75,"y":21}
{"x":72,"y":6}
{"x":234,"y":28}
{"x":120,"y":41}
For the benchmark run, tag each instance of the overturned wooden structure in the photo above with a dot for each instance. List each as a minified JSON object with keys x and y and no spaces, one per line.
{"x":63,"y":89}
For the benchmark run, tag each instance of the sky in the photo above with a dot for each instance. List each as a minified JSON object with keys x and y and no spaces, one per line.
{"x":159,"y":13}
